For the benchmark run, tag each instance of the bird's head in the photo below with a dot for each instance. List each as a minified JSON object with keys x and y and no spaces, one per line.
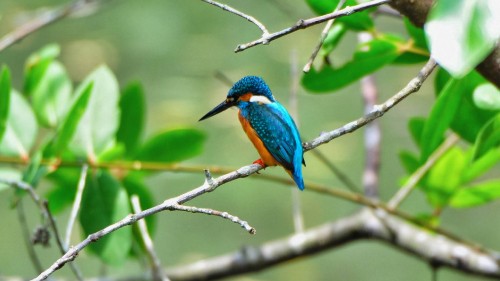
{"x":247,"y":89}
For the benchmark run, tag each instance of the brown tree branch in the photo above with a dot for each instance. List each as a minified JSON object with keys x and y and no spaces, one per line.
{"x":367,"y":224}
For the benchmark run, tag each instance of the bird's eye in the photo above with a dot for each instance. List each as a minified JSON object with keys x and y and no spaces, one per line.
{"x":229,"y":99}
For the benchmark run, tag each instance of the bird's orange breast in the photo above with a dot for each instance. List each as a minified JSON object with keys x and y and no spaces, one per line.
{"x":266,"y":157}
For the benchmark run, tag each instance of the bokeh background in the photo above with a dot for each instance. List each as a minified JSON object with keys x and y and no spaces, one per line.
{"x":175,"y":48}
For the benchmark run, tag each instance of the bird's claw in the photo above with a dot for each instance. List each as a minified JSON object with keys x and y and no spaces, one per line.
{"x":260,"y":162}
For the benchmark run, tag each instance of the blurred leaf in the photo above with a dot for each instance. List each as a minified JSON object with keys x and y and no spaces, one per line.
{"x":461,"y":33}
{"x":4,"y":99}
{"x":476,"y":194}
{"x":367,"y":58}
{"x":63,"y":192}
{"x":132,"y":106}
{"x":35,"y":171}
{"x":21,"y":128}
{"x":37,"y":64}
{"x":357,"y":21}
{"x":51,"y":95}
{"x":444,"y":178}
{"x":71,"y":121}
{"x":417,"y":34}
{"x":172,"y":146}
{"x":487,"y":97}
{"x":488,"y":138}
{"x":105,"y":202}
{"x":416,"y":127}
{"x":482,"y":165}
{"x":99,"y":123}
{"x":409,"y":57}
{"x":469,"y":119}
{"x":7,"y":173}
{"x":409,"y":160}
{"x":440,"y":118}
{"x":333,"y":38}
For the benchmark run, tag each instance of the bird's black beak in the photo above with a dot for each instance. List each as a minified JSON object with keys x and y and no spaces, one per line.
{"x":218,"y":109}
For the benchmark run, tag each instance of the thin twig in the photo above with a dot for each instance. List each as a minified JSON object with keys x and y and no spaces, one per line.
{"x":372,"y":131}
{"x":156,"y":268}
{"x":322,"y":38}
{"x":298,"y":218}
{"x":301,"y":24}
{"x":341,"y":176}
{"x":238,"y":13}
{"x":412,"y":182}
{"x":27,"y":237}
{"x":76,"y":206}
{"x":225,"y":215}
{"x":44,"y":19}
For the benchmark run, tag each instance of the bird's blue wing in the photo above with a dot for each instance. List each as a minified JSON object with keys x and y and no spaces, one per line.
{"x":278,"y":132}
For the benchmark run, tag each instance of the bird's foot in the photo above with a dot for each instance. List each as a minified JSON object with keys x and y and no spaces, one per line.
{"x":260,"y":162}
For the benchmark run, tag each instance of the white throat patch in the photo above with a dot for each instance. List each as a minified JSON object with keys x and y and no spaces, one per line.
{"x":260,"y":99}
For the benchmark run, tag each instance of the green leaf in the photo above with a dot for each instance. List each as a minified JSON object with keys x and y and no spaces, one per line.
{"x":409,"y":160}
{"x":37,"y":64}
{"x":461,"y":33}
{"x":358,"y":21}
{"x":440,"y":118}
{"x":71,"y":121}
{"x":132,"y":106}
{"x":97,"y":127}
{"x":488,"y":138}
{"x":35,"y":171}
{"x":4,"y":99}
{"x":477,"y":194}
{"x":469,"y":119}
{"x":105,"y":202}
{"x":417,"y":34}
{"x":444,"y":178}
{"x":482,"y":165}
{"x":21,"y":129}
{"x":335,"y":34}
{"x":51,"y":95}
{"x":62,"y":194}
{"x":416,"y":127}
{"x":487,"y":97}
{"x":367,"y":58}
{"x":172,"y":146}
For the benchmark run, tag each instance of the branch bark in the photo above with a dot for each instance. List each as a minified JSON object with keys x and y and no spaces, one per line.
{"x":367,"y":224}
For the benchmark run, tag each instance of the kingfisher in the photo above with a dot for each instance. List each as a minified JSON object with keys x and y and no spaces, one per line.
{"x":267,"y":124}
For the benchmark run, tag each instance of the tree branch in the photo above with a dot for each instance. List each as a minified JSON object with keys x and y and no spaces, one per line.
{"x":366,"y":224}
{"x":301,"y":24}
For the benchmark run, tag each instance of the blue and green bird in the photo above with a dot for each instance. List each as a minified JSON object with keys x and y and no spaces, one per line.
{"x":267,"y":124}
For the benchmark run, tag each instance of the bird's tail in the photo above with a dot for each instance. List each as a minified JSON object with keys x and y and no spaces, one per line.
{"x":297,"y":177}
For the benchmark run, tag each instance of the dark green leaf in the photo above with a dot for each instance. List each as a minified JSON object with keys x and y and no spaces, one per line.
{"x":444,"y":178}
{"x":477,"y":194}
{"x":132,"y":108}
{"x":172,"y":146}
{"x":461,"y":33}
{"x":63,"y":192}
{"x":409,"y":160}
{"x":417,"y":34}
{"x":368,"y":58}
{"x":51,"y":95}
{"x":21,"y":128}
{"x":105,"y":202}
{"x":357,"y":21}
{"x":98,"y":125}
{"x":70,"y":123}
{"x":488,"y":138}
{"x":440,"y":118}
{"x":416,"y":127}
{"x":487,"y":97}
{"x":410,"y":58}
{"x":4,"y":99}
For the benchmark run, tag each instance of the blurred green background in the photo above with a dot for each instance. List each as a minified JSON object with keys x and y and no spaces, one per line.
{"x":175,"y":48}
